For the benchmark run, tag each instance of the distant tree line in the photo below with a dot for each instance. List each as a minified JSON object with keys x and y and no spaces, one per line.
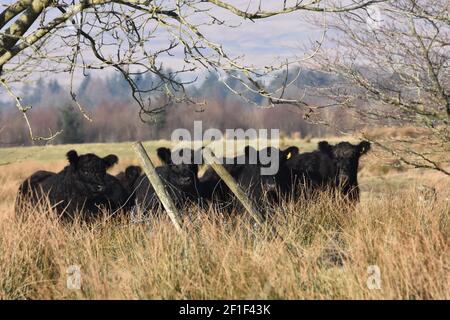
{"x":109,"y":104}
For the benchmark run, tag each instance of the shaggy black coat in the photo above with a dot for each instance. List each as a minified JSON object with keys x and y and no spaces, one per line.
{"x":248,"y":175}
{"x":329,"y":167}
{"x":80,"y":188}
{"x":345,"y":158}
{"x":128,"y":179}
{"x":180,"y":180}
{"x":308,"y":173}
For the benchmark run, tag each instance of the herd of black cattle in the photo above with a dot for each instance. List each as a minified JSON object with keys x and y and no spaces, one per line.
{"x":85,"y":188}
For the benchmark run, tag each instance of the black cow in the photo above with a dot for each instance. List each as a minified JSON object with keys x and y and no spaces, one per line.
{"x":116,"y":197}
{"x":212,"y":188}
{"x":28,"y":194}
{"x":81,"y":187}
{"x":33,"y":181}
{"x":248,"y":175}
{"x":345,"y":157}
{"x":308,"y":173}
{"x":128,"y":179}
{"x":180,"y":180}
{"x":329,"y":167}
{"x":279,"y":185}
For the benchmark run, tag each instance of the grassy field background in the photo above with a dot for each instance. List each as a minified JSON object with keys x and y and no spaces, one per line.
{"x":396,"y":226}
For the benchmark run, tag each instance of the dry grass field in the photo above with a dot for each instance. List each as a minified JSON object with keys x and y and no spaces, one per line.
{"x":325,"y":251}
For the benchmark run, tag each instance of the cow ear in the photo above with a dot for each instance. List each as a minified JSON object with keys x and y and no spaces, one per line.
{"x":110,"y":160}
{"x":164,"y":155}
{"x":72,"y":156}
{"x":289,"y":153}
{"x":363,"y":147}
{"x":326,"y":148}
{"x":132,"y":172}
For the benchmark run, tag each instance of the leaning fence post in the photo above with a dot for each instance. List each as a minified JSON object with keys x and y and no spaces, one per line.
{"x":234,"y":187}
{"x":157,"y":184}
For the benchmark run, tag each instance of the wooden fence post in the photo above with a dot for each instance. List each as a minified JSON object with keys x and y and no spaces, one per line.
{"x":157,"y":184}
{"x":234,"y":187}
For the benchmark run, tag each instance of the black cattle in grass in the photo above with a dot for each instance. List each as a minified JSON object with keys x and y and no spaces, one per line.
{"x":308,"y":173}
{"x":257,"y":185}
{"x":330,"y":167}
{"x":116,"y":197}
{"x":212,"y":188}
{"x":33,"y":181}
{"x":248,"y":175}
{"x":81,"y":187}
{"x":345,"y":157}
{"x":280,"y":182}
{"x":180,"y":180}
{"x":29,"y":191}
{"x":128,"y":179}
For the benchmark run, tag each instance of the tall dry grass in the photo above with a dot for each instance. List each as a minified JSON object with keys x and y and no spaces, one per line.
{"x":324,"y":253}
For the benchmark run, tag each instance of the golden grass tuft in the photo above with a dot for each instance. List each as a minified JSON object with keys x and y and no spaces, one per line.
{"x":325,"y":251}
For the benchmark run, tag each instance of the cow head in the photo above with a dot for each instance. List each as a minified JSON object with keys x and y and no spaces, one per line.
{"x":265,"y":160}
{"x":90,"y":171}
{"x":183,"y":169}
{"x":279,"y":181}
{"x":287,"y":154}
{"x":345,"y":157}
{"x":128,"y":177}
{"x":267,"y":156}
